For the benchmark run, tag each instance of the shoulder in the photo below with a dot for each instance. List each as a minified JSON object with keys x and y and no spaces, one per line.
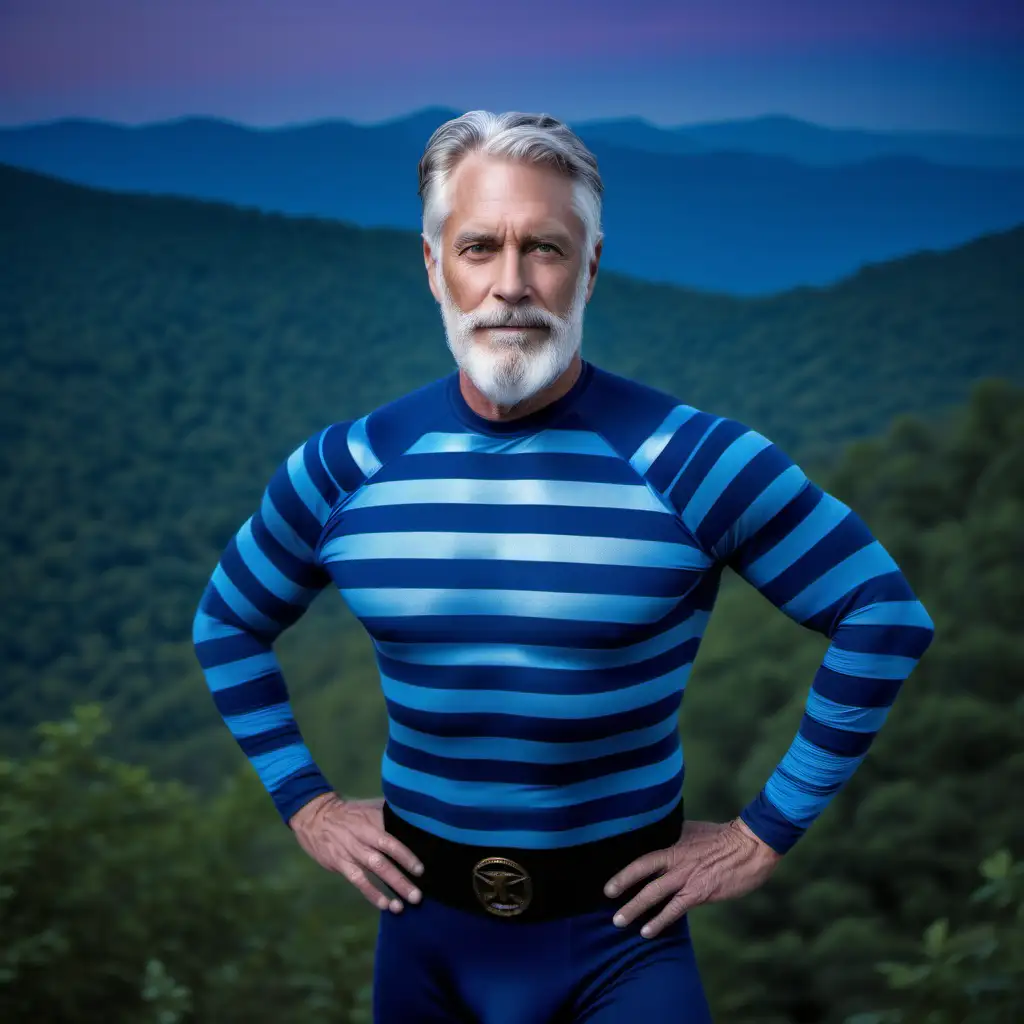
{"x":625,"y":399}
{"x":724,"y":479}
{"x":623,"y":411}
{"x":718,"y":473}
{"x":353,"y":450}
{"x":653,"y":429}
{"x":393,"y":427}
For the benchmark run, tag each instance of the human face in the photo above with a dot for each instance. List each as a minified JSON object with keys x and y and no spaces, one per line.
{"x":511,"y":278}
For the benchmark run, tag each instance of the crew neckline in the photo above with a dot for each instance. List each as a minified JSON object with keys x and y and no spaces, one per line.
{"x":528,"y":424}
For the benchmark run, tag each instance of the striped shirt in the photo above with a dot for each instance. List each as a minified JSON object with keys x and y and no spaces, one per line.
{"x":536,"y":592}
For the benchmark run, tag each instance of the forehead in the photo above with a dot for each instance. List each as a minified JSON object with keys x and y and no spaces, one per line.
{"x":492,"y":191}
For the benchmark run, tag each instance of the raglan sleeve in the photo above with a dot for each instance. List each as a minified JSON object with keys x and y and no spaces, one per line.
{"x":814,"y":558}
{"x":265,"y":579}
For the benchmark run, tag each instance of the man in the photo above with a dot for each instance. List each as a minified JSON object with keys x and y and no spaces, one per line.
{"x":535,"y":545}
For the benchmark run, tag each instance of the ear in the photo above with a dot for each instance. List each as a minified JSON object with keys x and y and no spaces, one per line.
{"x":595,"y":260}
{"x":432,"y":269}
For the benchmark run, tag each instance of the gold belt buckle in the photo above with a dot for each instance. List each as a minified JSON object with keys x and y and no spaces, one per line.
{"x":502,"y":886}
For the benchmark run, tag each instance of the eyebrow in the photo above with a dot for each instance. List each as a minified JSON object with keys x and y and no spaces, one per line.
{"x":465,"y":238}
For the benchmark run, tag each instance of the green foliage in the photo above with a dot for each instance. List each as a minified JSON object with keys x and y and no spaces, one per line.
{"x":974,"y":973}
{"x":127,"y":899}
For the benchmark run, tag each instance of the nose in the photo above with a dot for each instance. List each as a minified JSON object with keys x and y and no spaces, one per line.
{"x":511,"y":286}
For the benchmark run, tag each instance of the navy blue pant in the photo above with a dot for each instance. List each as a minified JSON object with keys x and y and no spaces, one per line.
{"x":439,"y":965}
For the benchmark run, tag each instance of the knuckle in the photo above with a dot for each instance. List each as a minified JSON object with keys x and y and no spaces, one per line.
{"x":375,"y":862}
{"x":689,"y":898}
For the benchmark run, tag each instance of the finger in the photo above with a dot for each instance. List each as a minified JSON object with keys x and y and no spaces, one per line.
{"x":649,"y":896}
{"x":355,"y":874}
{"x":637,"y":870}
{"x":388,"y":873}
{"x":672,"y":911}
{"x":399,"y":852}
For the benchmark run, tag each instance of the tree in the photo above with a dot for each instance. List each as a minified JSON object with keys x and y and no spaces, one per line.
{"x":127,"y":899}
{"x":972,"y":973}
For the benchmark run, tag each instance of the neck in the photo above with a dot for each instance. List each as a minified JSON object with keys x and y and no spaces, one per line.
{"x":483,"y":406}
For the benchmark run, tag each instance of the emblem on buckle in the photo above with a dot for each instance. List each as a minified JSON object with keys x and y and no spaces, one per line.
{"x":502,"y":886}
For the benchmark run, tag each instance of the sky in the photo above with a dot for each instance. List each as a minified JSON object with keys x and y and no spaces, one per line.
{"x":883,"y":64}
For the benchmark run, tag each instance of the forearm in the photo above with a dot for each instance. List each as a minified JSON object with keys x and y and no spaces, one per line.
{"x":249,"y":691}
{"x":266,"y":578}
{"x":872,"y":653}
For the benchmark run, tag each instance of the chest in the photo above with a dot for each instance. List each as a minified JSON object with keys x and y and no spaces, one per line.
{"x":587,"y":562}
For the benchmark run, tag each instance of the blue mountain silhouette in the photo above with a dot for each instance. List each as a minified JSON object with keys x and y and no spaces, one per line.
{"x":714,"y":217}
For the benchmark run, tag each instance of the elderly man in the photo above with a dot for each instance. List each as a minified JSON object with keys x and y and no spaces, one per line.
{"x":534,"y":545}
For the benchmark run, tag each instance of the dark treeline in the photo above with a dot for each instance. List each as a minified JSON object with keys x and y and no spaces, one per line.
{"x":129,"y":899}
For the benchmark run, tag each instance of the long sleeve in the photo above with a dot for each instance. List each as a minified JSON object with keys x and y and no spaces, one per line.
{"x":752,"y":508}
{"x":264,"y":581}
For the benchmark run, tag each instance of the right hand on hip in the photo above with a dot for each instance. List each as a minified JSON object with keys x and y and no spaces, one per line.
{"x":348,"y":837}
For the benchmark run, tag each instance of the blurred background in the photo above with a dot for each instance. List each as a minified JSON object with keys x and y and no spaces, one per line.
{"x":209,"y":250}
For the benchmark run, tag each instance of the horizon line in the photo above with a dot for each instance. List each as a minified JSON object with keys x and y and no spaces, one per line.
{"x":582,"y":123}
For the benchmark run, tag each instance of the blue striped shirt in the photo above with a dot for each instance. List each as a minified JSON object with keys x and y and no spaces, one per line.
{"x":536,"y":592}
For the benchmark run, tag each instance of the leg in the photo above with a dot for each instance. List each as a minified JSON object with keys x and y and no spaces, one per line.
{"x":625,"y":977}
{"x":439,"y":965}
{"x":412,"y":968}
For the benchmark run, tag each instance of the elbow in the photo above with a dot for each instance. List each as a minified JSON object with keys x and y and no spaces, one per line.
{"x":203,"y":622}
{"x":215,"y":620}
{"x":925,"y":627}
{"x":198,"y":627}
{"x":928,"y":625}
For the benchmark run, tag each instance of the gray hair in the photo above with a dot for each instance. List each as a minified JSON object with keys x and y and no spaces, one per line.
{"x":531,"y":138}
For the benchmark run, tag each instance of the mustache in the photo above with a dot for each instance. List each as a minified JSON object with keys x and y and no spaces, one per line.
{"x":514,"y":318}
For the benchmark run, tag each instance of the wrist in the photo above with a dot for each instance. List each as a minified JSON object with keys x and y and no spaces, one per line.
{"x":309,"y":811}
{"x":766,"y":822}
{"x":764,"y":850}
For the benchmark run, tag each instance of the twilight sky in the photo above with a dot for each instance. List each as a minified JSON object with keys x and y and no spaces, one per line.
{"x":918,"y":64}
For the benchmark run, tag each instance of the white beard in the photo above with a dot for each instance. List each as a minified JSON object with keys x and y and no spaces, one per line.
{"x":511,"y":366}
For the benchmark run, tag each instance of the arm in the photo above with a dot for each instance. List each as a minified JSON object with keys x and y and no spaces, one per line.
{"x":266,"y":578}
{"x":815,"y":560}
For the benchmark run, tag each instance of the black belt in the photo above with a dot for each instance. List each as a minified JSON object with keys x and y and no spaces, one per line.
{"x":529,"y":885}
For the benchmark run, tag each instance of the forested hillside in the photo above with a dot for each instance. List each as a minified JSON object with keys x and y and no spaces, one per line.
{"x":124,"y":899}
{"x":160,"y":356}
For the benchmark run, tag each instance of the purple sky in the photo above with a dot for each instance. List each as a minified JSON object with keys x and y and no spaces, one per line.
{"x":947,"y":64}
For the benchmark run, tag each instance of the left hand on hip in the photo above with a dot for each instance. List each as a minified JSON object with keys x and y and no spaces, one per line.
{"x":710,"y":862}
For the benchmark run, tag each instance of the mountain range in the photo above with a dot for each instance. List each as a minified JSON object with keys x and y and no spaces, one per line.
{"x":807,"y":143}
{"x":744,"y":208}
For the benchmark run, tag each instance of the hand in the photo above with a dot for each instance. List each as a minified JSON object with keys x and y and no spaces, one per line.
{"x":347,"y":836}
{"x":710,"y":862}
